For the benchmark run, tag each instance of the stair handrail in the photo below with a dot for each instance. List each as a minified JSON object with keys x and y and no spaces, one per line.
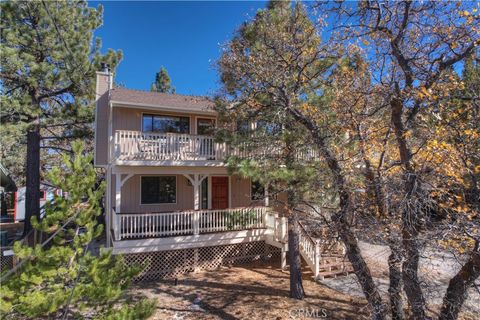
{"x":314,"y":250}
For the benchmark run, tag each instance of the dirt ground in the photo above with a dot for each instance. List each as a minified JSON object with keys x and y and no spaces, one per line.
{"x":254,"y":291}
{"x":261,"y":291}
{"x":436,"y":269}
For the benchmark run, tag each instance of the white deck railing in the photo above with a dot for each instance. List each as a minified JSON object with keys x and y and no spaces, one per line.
{"x":136,"y":145}
{"x":151,"y":225}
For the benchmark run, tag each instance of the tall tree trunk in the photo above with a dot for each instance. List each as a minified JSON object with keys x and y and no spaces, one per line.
{"x":32,"y":201}
{"x":374,"y":181}
{"x":294,"y":257}
{"x":411,"y":218}
{"x":376,"y":191}
{"x":295,"y":261}
{"x":360,"y":267}
{"x":410,"y":278}
{"x":342,"y":217}
{"x":395,"y":287}
{"x":458,"y":286}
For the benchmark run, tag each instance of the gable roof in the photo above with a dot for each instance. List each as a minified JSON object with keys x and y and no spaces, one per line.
{"x":158,"y":99}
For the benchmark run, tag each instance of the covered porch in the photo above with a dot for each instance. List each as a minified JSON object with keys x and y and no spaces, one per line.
{"x":192,"y":201}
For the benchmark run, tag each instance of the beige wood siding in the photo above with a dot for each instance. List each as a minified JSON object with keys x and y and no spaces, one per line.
{"x":240,"y":195}
{"x":101,"y":120}
{"x":131,"y":198}
{"x":127,"y":119}
{"x":240,"y":192}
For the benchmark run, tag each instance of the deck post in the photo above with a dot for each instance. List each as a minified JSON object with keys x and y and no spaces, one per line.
{"x":195,"y":260}
{"x":284,"y":229}
{"x":196,"y":222}
{"x":118,"y":203}
{"x":283,"y":258}
{"x":317,"y":259}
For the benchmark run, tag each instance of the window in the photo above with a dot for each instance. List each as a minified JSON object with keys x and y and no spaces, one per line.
{"x":205,"y":126}
{"x":165,"y":124}
{"x":257,"y":191}
{"x":159,"y":189}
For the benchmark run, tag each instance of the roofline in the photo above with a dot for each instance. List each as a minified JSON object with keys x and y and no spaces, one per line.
{"x":116,"y":103}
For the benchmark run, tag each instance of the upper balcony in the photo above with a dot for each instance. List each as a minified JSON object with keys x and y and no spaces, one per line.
{"x":142,"y":148}
{"x":169,"y":148}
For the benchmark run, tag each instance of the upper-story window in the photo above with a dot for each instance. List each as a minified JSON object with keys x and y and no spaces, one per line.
{"x":165,"y":124}
{"x":205,"y":126}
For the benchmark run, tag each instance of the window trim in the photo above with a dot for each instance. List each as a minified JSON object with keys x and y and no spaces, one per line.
{"x":159,"y":203}
{"x":165,"y":115}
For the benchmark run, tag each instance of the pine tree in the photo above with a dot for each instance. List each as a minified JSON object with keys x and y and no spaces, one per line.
{"x":49,"y":58}
{"x":274,"y":141}
{"x":162,"y":82}
{"x":65,"y":276}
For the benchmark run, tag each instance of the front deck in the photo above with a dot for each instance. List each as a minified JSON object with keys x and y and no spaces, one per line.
{"x":205,"y":230}
{"x":183,"y":223}
{"x":145,"y":232}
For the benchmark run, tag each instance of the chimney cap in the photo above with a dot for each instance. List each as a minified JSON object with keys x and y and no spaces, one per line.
{"x":105,"y":67}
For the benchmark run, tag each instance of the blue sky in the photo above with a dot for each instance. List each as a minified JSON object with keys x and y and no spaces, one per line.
{"x":184,"y":37}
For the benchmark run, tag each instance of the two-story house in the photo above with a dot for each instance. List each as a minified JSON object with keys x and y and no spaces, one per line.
{"x":169,"y":198}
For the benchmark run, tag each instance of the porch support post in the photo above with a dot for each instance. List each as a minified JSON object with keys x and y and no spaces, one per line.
{"x":118,"y":203}
{"x":196,"y":192}
{"x":196,"y":181}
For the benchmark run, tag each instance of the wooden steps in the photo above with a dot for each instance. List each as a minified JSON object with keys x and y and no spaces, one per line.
{"x":333,"y":266}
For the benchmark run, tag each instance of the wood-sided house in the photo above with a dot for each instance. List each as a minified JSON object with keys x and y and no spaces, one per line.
{"x":169,"y":198}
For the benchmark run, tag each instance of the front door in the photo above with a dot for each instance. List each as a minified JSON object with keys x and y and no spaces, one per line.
{"x":219,"y":192}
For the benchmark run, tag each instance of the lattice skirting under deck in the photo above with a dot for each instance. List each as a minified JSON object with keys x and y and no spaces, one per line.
{"x":6,"y":263}
{"x":164,"y":264}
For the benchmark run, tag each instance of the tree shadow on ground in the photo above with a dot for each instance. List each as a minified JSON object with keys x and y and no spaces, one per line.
{"x":255,"y":291}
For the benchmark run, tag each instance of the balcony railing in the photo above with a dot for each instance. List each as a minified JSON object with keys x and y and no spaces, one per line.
{"x":169,"y":224}
{"x":136,"y":145}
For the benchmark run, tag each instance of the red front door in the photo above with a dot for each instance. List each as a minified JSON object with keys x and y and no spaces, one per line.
{"x":219,"y":192}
